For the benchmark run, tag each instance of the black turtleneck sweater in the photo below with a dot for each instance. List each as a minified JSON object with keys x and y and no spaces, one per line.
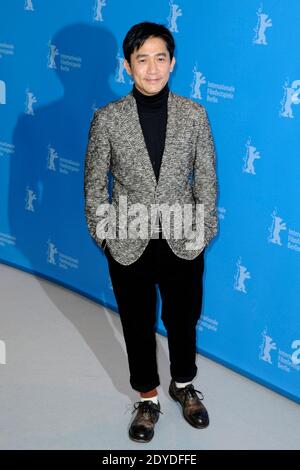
{"x":153,"y":114}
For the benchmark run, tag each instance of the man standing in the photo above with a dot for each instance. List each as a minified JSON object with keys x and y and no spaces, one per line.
{"x":159,"y":148}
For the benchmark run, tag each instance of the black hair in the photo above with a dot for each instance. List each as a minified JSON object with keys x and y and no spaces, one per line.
{"x":138,"y":34}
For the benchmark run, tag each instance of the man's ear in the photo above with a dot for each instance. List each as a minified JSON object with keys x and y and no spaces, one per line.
{"x":173,"y":62}
{"x":127,"y":67}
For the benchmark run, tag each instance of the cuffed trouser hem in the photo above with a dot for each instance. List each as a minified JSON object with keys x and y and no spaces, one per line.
{"x":144,"y":388}
{"x":185,"y":378}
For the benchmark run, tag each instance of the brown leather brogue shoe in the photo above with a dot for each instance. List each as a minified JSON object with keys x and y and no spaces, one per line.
{"x":193,"y":410}
{"x":142,"y":427}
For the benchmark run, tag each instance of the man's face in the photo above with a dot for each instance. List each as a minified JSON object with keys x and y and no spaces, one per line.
{"x":150,"y":66}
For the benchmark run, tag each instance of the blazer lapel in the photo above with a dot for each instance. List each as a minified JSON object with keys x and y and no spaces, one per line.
{"x":132,"y":130}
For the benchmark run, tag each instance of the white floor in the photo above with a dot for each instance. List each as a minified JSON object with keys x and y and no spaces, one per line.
{"x":65,"y":382}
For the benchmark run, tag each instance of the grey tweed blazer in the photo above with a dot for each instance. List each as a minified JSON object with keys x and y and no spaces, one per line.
{"x":187,"y":174}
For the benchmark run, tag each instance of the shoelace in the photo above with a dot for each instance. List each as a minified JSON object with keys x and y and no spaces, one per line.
{"x":147,"y":407}
{"x":190,"y":392}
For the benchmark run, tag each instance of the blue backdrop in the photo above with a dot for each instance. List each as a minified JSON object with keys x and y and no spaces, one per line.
{"x":62,"y":59}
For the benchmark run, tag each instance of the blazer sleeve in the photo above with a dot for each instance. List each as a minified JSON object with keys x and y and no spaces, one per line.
{"x":96,"y":167}
{"x":205,"y":185}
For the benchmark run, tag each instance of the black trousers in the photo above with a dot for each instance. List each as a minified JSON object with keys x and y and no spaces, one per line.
{"x":180,"y":286}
